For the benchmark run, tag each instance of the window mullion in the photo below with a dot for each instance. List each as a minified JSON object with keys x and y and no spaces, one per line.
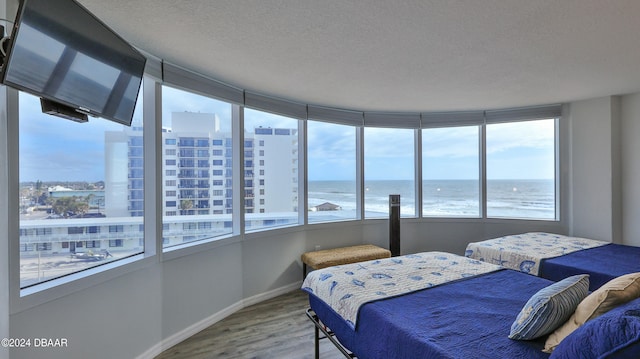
{"x":303,"y":200}
{"x":418,"y":171}
{"x":152,"y":142}
{"x":360,"y":172}
{"x":238,"y":169}
{"x":483,"y":170}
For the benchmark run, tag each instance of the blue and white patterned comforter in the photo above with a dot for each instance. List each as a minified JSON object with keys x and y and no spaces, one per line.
{"x":347,"y":287}
{"x":523,"y":252}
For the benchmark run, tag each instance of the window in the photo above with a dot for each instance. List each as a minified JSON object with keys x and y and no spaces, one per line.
{"x":388,"y":169}
{"x":331,"y":153}
{"x":196,"y":122}
{"x":451,"y":172}
{"x":77,"y":188}
{"x":521,"y":170}
{"x":115,"y":243}
{"x":279,"y":203}
{"x":116,"y":229}
{"x":43,"y":232}
{"x":75,"y":230}
{"x":43,"y":246}
{"x":92,"y":244}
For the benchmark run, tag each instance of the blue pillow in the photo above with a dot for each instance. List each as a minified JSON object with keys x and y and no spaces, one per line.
{"x":549,"y":308}
{"x":615,"y":334}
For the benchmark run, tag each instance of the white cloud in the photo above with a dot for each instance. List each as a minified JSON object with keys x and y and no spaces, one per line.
{"x":528,"y":134}
{"x":175,"y":100}
{"x":388,"y":143}
{"x":454,"y":143}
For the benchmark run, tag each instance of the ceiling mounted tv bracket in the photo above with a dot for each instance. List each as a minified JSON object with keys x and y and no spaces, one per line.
{"x":4,"y":46}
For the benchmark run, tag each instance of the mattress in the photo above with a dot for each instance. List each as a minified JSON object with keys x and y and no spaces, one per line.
{"x":467,"y":318}
{"x":525,"y":252}
{"x":556,"y":257}
{"x":601,"y":263}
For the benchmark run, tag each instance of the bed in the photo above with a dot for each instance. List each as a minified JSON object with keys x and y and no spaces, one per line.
{"x":554,"y":256}
{"x":467,"y":315}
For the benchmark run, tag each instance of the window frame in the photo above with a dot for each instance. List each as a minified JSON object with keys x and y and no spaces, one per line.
{"x":176,"y":250}
{"x":298,"y":175}
{"x":417,"y":174}
{"x":556,"y":181}
{"x":482,"y":140}
{"x":480,"y":173}
{"x":357,"y":152}
{"x":21,"y":299}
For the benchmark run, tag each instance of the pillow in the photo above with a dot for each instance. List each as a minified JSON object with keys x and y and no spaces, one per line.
{"x":615,"y":334}
{"x":617,"y":291}
{"x":549,"y":308}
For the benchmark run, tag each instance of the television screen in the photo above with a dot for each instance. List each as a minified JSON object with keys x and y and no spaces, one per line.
{"x":61,"y":52}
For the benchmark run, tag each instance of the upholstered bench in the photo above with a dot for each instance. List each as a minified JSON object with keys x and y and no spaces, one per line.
{"x":343,"y":255}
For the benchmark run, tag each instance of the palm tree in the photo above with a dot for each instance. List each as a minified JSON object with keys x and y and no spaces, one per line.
{"x":186,"y":204}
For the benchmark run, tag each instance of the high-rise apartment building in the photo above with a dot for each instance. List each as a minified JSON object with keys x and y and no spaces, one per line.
{"x":276,"y":160}
{"x":197,"y":164}
{"x":197,"y":175}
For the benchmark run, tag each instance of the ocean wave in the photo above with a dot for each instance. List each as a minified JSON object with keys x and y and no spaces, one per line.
{"x":457,"y":198}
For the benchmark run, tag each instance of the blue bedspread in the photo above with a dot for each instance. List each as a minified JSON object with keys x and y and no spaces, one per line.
{"x":601,"y":263}
{"x":347,"y":287}
{"x":470,"y":318}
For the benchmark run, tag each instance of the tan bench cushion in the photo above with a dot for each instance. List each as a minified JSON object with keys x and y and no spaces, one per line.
{"x":336,"y":256}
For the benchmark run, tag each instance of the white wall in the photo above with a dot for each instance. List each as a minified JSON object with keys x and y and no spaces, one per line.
{"x":116,"y":319}
{"x":4,"y":226}
{"x":630,"y":139}
{"x":594,"y":170}
{"x":449,"y":235}
{"x":7,"y":9}
{"x":200,"y":285}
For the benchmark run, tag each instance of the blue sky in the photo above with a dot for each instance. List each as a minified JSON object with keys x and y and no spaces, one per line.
{"x":55,"y":149}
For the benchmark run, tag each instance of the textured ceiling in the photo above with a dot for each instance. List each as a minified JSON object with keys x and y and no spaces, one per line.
{"x":413,"y":55}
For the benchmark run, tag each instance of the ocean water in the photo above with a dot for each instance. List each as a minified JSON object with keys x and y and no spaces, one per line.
{"x":442,"y":198}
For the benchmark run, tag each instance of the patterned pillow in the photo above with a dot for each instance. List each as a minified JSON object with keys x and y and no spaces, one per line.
{"x":549,"y":308}
{"x":617,"y":291}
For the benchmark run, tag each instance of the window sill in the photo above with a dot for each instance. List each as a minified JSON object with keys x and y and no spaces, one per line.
{"x":194,"y":247}
{"x":57,"y":288}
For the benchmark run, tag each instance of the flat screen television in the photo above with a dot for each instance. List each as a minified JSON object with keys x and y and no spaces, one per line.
{"x":62,"y":53}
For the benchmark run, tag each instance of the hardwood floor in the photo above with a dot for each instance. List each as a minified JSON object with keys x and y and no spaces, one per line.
{"x":276,"y":328}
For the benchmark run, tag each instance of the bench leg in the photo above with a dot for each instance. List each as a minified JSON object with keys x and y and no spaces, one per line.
{"x":317,"y":343}
{"x":304,"y":270}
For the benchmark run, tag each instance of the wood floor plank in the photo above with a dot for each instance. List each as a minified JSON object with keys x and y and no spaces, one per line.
{"x":274,"y":329}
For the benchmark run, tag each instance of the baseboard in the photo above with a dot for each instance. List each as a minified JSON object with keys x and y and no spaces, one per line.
{"x":270,"y":294}
{"x":213,"y":319}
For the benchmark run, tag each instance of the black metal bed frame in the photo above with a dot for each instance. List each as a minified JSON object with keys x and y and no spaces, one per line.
{"x":328,"y":334}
